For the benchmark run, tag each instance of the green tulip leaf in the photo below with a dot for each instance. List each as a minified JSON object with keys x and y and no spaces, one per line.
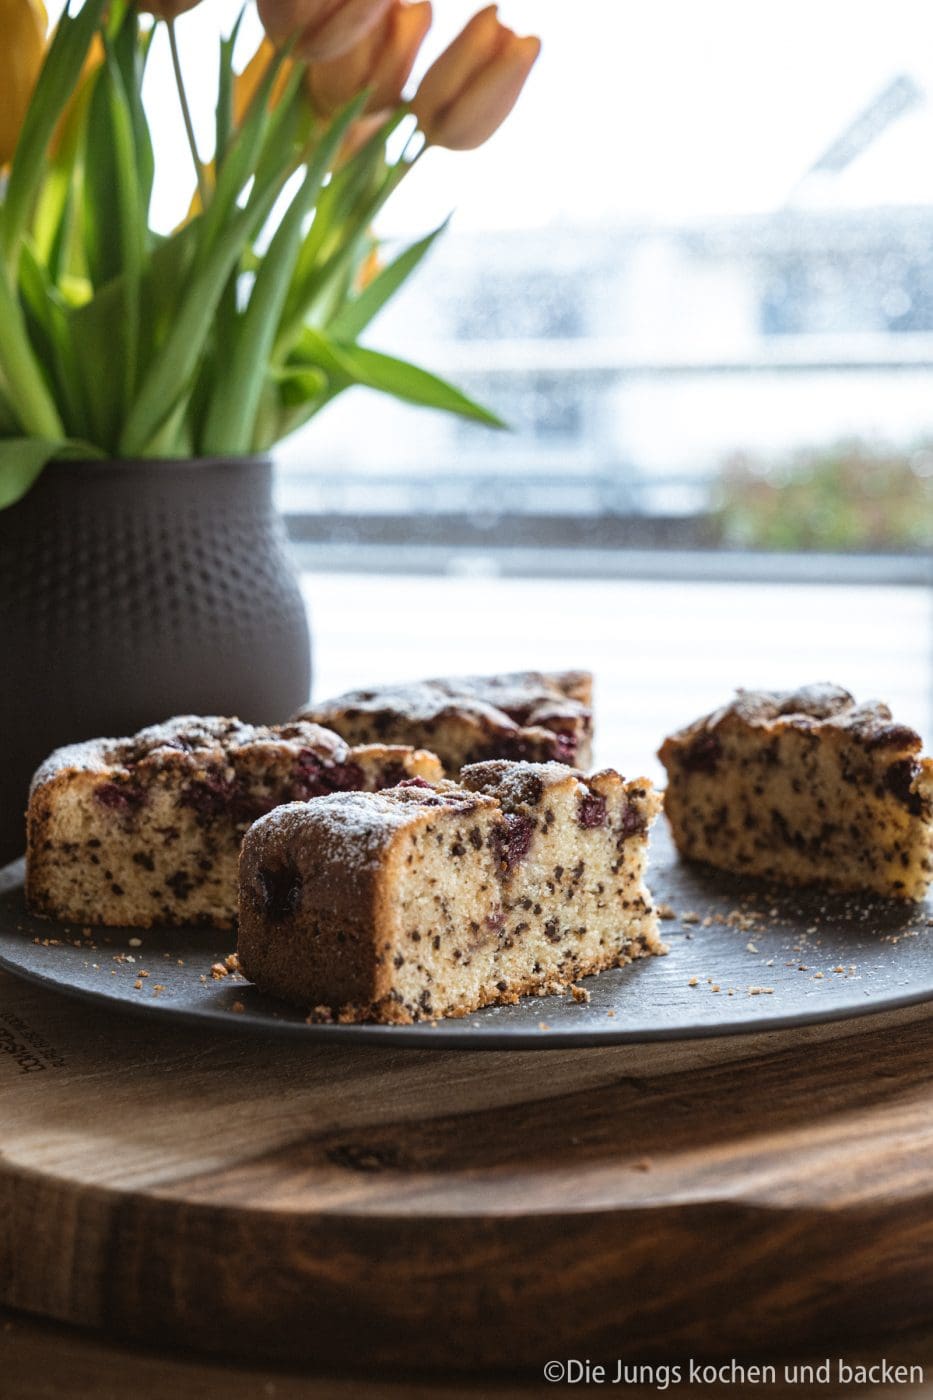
{"x":22,"y":459}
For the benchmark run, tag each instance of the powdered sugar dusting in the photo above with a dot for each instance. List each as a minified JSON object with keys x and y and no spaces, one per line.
{"x":517,"y":784}
{"x":822,"y":706}
{"x":525,"y":708}
{"x":195,"y":742}
{"x":354,"y":827}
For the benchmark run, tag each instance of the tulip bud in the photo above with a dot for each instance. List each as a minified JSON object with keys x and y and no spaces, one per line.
{"x":380,"y":61}
{"x":23,"y":24}
{"x":468,"y":91}
{"x":322,"y":29}
{"x":167,"y":9}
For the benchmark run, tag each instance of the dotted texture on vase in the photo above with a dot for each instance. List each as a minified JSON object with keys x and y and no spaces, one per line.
{"x":152,"y":571}
{"x":130,"y":592}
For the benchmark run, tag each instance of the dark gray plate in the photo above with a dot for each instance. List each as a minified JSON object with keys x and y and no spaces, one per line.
{"x":745,"y":958}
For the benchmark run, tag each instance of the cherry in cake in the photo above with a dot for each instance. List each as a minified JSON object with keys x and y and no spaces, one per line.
{"x":804,"y":787}
{"x":147,"y":830}
{"x":433,"y":900}
{"x":530,"y":715}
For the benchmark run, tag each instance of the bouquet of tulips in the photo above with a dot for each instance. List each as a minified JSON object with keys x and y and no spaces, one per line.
{"x":226,"y":335}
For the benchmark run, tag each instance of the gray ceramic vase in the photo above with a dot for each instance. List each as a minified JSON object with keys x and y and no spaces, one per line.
{"x":132,"y":591}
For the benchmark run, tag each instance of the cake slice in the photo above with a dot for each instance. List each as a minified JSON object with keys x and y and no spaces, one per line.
{"x":147,"y":830}
{"x":429,"y":901}
{"x":532,"y":715}
{"x":804,"y":787}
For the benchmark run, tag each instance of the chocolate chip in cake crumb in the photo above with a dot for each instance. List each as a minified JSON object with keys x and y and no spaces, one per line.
{"x":552,"y":930}
{"x":703,"y":754}
{"x":898,"y":780}
{"x":180,"y":883}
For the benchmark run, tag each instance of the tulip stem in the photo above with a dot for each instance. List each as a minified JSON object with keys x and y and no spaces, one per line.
{"x":186,"y":113}
{"x":420,"y":151}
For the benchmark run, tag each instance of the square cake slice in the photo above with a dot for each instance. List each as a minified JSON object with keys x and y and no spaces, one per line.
{"x":804,"y":787}
{"x":428,"y":901}
{"x":147,"y":830}
{"x":532,"y":715}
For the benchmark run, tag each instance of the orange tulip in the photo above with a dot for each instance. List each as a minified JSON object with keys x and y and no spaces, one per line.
{"x":23,"y":24}
{"x":167,"y":9}
{"x":381,"y":61}
{"x":468,"y":92}
{"x":322,"y":29}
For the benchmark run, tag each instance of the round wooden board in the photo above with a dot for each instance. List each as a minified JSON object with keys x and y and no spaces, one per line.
{"x":383,"y":1208}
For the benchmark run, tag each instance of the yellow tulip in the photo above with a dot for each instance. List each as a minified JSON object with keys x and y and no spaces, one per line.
{"x":381,"y":61}
{"x":245,"y":86}
{"x":322,"y":29}
{"x":22,"y":24}
{"x":247,"y":83}
{"x":369,"y":269}
{"x":468,"y":92}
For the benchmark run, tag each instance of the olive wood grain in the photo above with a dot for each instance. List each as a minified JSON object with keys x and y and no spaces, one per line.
{"x":438,"y":1209}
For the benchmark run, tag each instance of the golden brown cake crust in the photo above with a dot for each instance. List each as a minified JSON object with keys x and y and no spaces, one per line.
{"x":434,"y":900}
{"x":530,"y":715}
{"x":342,"y":847}
{"x":146,"y":829}
{"x":804,"y":786}
{"x":823,"y":708}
